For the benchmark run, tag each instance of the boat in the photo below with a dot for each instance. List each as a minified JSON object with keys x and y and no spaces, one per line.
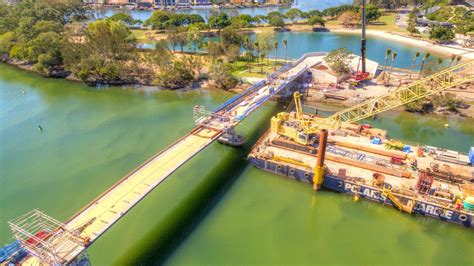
{"x":231,"y":138}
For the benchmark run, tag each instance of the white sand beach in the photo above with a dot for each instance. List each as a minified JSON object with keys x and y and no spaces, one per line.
{"x":466,"y":53}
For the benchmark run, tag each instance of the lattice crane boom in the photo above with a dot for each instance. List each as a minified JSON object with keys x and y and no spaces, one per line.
{"x":442,"y":80}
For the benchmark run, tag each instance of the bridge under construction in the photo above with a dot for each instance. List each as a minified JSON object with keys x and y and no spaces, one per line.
{"x":50,"y":241}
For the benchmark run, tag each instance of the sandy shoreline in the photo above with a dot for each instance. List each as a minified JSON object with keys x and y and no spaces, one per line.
{"x":466,"y":53}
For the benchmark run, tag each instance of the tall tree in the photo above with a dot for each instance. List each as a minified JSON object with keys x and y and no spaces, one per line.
{"x":275,"y":45}
{"x":285,"y":43}
{"x":105,"y":53}
{"x":194,"y":38}
{"x":415,"y":57}
{"x":316,"y":20}
{"x":372,"y":13}
{"x":248,"y":55}
{"x":265,"y":41}
{"x":294,"y":13}
{"x":349,"y":19}
{"x":276,"y":22}
{"x":387,"y":54}
{"x":425,"y":56}
{"x":394,"y":56}
{"x":257,"y":48}
{"x":452,"y":58}
{"x":219,"y":21}
{"x":221,"y":76}
{"x":458,"y":59}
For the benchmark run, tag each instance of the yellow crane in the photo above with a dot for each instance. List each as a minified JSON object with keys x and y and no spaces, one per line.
{"x":304,"y":129}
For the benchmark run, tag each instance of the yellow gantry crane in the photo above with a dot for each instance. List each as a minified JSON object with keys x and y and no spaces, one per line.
{"x":303,"y":129}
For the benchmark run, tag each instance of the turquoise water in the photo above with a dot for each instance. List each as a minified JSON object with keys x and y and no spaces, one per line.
{"x":300,"y":43}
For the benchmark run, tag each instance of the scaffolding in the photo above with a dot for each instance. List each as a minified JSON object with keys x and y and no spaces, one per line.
{"x":46,"y":238}
{"x":425,"y":181}
{"x":208,"y":119}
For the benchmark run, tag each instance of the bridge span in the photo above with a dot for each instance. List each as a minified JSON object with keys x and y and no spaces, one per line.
{"x":49,"y":241}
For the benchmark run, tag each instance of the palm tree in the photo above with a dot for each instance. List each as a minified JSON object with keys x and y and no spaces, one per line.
{"x":440,"y":61}
{"x":425,"y":56}
{"x":452,"y":59}
{"x":387,"y":54}
{"x":257,"y":47}
{"x":248,"y":46}
{"x":415,"y":57}
{"x":458,"y":59}
{"x":275,"y":45}
{"x":394,"y":55}
{"x":285,"y":43}
{"x":263,"y":55}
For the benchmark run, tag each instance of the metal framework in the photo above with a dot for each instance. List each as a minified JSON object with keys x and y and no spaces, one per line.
{"x":42,"y":236}
{"x":205,"y":118}
{"x":445,"y":79}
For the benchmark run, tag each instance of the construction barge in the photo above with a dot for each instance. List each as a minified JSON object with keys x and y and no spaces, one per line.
{"x":362,"y":161}
{"x":338,"y":154}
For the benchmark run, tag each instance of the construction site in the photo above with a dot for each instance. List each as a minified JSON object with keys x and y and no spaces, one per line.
{"x":338,"y":153}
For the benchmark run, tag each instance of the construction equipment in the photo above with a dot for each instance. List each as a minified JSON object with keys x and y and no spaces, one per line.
{"x":425,"y":181}
{"x":408,"y":208}
{"x":304,"y":129}
{"x":363,"y":41}
{"x":289,"y":160}
{"x":46,"y":238}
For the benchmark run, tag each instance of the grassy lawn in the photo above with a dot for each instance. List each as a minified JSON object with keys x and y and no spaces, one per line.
{"x":386,"y":23}
{"x":147,"y":36}
{"x":139,"y":35}
{"x":240,"y":68}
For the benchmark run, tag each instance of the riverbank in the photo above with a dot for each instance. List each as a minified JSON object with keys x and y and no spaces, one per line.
{"x":298,"y":44}
{"x":416,"y":42}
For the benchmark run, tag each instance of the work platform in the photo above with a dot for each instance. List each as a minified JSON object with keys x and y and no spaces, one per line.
{"x":99,"y":215}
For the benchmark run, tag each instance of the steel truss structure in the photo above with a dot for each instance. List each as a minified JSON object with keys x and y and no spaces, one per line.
{"x":42,"y":236}
{"x":445,"y":79}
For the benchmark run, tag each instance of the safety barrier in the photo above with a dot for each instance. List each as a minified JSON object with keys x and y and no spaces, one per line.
{"x":308,"y":55}
{"x":252,"y":88}
{"x":272,"y":76}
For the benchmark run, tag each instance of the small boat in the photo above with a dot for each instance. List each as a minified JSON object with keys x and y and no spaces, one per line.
{"x":231,"y":138}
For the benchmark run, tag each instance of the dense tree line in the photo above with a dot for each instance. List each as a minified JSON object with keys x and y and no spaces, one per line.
{"x":32,"y":30}
{"x":55,"y":37}
{"x":219,"y":20}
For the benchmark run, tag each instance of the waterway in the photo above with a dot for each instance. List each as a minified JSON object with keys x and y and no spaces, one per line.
{"x":217,"y":209}
{"x":300,"y":43}
{"x":304,"y":5}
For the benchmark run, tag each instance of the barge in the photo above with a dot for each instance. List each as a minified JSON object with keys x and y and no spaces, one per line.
{"x":363,"y":162}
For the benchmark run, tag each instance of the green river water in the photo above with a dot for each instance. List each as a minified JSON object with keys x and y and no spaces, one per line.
{"x":217,"y":209}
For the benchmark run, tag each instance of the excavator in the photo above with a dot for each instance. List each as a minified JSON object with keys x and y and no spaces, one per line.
{"x":304,"y":129}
